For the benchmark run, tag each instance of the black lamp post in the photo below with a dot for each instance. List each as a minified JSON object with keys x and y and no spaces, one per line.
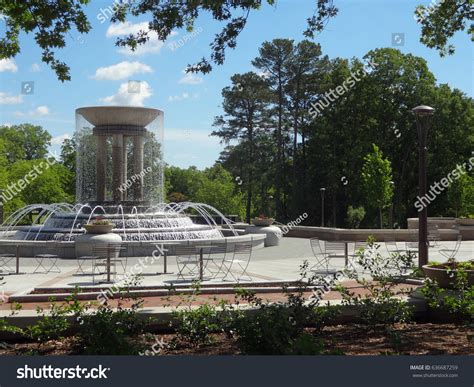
{"x":322,"y":205}
{"x":423,"y":116}
{"x":392,"y":183}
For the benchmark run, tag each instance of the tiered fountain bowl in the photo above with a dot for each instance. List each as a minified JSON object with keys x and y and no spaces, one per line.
{"x":116,"y":145}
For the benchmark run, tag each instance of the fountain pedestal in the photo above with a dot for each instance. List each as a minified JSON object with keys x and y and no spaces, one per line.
{"x":273,"y":234}
{"x":86,"y":242}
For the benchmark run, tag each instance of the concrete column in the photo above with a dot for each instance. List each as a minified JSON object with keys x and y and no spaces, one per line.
{"x":101,"y":167}
{"x":125,"y":166}
{"x":138,"y":142}
{"x":117,"y":167}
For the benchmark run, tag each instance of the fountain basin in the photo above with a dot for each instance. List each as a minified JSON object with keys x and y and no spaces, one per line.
{"x":67,"y":250}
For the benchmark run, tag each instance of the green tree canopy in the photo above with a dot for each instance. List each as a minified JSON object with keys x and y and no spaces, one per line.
{"x":25,"y":142}
{"x":44,"y":183}
{"x":214,"y":186}
{"x":441,"y":20}
{"x":52,"y":21}
{"x":377,"y":180}
{"x":246,"y":107}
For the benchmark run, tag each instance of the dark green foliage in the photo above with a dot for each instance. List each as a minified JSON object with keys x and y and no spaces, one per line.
{"x":458,"y":302}
{"x":381,"y":304}
{"x":441,"y":20}
{"x":195,"y":325}
{"x":355,"y":216}
{"x":110,"y":331}
{"x":280,"y":328}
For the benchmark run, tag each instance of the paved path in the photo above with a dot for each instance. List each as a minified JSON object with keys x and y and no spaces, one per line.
{"x":268,"y":264}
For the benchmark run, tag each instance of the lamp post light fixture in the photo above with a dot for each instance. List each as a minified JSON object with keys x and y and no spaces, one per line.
{"x":423,"y":116}
{"x":323,"y":190}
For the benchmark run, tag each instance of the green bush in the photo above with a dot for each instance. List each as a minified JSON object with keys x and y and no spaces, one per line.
{"x":380,"y":304}
{"x":280,"y":328}
{"x":109,"y":331}
{"x":355,"y":216}
{"x":458,"y":302}
{"x":195,"y":325}
{"x":52,"y":325}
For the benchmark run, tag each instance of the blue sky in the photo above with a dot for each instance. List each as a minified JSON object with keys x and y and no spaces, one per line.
{"x":100,"y":71}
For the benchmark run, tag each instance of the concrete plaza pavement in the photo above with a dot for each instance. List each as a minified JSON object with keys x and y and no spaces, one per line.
{"x":278,"y":263}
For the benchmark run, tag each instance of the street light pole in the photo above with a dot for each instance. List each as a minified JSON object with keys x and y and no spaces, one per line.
{"x":322,"y":205}
{"x":390,"y":216}
{"x":423,"y":116}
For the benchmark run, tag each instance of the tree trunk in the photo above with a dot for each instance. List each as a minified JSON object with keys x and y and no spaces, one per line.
{"x":248,"y":208}
{"x":278,"y":175}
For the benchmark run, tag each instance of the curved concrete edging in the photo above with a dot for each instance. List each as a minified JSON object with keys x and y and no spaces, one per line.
{"x":134,"y":248}
{"x":335,"y":234}
{"x":361,"y":234}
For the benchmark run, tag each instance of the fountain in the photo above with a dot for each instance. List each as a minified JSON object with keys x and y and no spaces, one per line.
{"x":120,"y":172}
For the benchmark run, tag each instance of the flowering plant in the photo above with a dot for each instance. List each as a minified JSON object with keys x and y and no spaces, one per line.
{"x":100,"y":221}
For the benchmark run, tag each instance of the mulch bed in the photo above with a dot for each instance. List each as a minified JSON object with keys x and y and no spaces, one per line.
{"x":350,"y":339}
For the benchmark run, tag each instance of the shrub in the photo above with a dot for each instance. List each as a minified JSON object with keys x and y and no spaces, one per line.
{"x":381,"y":303}
{"x":52,"y":325}
{"x":112,"y":331}
{"x":107,"y":331}
{"x":280,"y":328}
{"x":196,"y":325}
{"x":355,"y":216}
{"x":458,"y":302}
{"x":56,"y":322}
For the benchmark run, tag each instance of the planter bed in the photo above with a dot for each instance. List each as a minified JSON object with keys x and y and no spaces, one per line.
{"x":349,"y":339}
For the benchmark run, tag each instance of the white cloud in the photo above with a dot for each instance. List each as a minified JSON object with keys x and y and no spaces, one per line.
{"x":133,"y":95}
{"x":8,"y":99}
{"x":154,"y":45}
{"x":121,"y":70}
{"x":8,"y":65}
{"x":174,"y":98}
{"x":58,"y":140}
{"x":35,"y":67}
{"x":119,"y":29}
{"x":190,"y":79}
{"x":40,"y":111}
